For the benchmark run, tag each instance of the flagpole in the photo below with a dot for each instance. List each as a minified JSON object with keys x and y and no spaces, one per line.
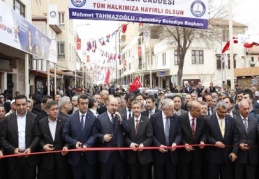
{"x":150,"y":59}
{"x":231,"y":44}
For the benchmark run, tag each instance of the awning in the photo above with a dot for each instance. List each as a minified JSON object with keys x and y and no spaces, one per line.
{"x":44,"y":74}
{"x":250,"y":71}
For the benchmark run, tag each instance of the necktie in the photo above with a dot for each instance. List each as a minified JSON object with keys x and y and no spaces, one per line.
{"x":222,"y":127}
{"x":167,"y":128}
{"x":113,"y":120}
{"x":208,"y":111}
{"x":129,"y":113}
{"x":82,"y":121}
{"x":193,"y":127}
{"x":137,"y":126}
{"x":246,"y":124}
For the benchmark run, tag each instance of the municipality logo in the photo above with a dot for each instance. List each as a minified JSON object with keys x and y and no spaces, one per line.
{"x":198,"y":8}
{"x":53,"y":14}
{"x":78,"y":3}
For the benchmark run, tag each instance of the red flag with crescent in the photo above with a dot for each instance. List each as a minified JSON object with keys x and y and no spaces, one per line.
{"x":135,"y":84}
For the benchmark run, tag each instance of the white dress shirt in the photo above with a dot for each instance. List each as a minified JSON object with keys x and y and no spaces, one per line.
{"x":52,"y":128}
{"x":21,"y":122}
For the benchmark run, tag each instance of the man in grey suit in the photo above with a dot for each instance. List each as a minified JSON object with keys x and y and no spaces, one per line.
{"x":247,"y":155}
{"x":20,"y":135}
{"x":141,"y":135}
{"x":126,"y":111}
{"x":177,"y":105}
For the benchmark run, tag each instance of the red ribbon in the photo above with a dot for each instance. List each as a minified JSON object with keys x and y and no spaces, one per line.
{"x":102,"y":149}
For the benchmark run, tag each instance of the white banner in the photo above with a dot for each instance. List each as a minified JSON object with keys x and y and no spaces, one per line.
{"x":187,"y":13}
{"x":53,"y":14}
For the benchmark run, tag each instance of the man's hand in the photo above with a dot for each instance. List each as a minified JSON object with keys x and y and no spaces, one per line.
{"x":140,"y":146}
{"x":220,"y":145}
{"x":48,"y":147}
{"x":17,"y":151}
{"x":64,"y":151}
{"x":188,"y":147}
{"x":134,"y":146}
{"x":27,"y":151}
{"x":162,"y":149}
{"x":118,"y":117}
{"x":202,"y":145}
{"x":244,"y":147}
{"x":232,"y":157}
{"x":1,"y":154}
{"x":78,"y":145}
{"x":173,"y":147}
{"x":107,"y":137}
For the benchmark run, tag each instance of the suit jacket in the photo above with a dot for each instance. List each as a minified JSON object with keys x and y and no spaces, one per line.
{"x":48,"y":161}
{"x":159,"y":136}
{"x":249,"y":138}
{"x":72,"y":133}
{"x":200,"y":135}
{"x":144,"y":136}
{"x":9,"y":138}
{"x":146,"y":112}
{"x":217,"y":155}
{"x":186,"y":90}
{"x":105,"y":127}
{"x":124,"y":112}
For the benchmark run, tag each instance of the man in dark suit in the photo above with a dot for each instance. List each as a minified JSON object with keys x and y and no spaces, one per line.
{"x":3,"y":173}
{"x":80,"y":131}
{"x":126,"y":111}
{"x":193,"y":132}
{"x":141,"y":135}
{"x":52,"y":166}
{"x":150,"y":106}
{"x":212,"y":88}
{"x":20,"y":134}
{"x":45,"y":99}
{"x":188,"y":89}
{"x":208,"y":99}
{"x":247,"y":154}
{"x":167,"y":133}
{"x":112,"y":126}
{"x":222,"y":133}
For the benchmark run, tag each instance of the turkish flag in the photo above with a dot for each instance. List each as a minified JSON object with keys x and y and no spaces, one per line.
{"x":78,"y":44}
{"x":135,"y":84}
{"x":107,"y":77}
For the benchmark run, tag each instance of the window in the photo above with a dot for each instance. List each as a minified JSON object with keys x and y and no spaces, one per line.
{"x":234,"y":55}
{"x":218,"y":57}
{"x":19,"y":7}
{"x":225,"y":36}
{"x":140,"y":63}
{"x":197,"y":57}
{"x":61,"y":19}
{"x":164,"y":59}
{"x":176,"y":58}
{"x":61,"y":50}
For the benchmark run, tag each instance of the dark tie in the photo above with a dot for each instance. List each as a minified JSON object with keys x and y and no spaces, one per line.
{"x":82,"y":121}
{"x":167,"y":128}
{"x":137,"y":126}
{"x":129,"y":113}
{"x":193,"y":127}
{"x":113,"y":120}
{"x":246,"y":124}
{"x":208,"y":111}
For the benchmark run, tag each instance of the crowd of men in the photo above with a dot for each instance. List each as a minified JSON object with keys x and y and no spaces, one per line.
{"x":206,"y":135}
